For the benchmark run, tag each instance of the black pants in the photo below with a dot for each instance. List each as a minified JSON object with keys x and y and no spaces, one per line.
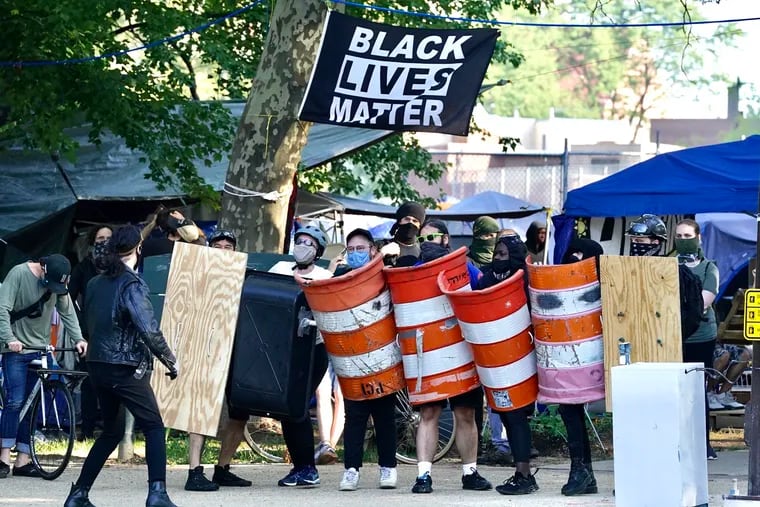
{"x":383,"y":412}
{"x":117,"y":388}
{"x":578,"y":443}
{"x":518,"y":432}
{"x":701,"y":352}
{"x":89,"y":402}
{"x":298,"y":433}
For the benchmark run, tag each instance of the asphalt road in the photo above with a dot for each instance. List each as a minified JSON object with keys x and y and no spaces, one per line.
{"x":125,"y":485}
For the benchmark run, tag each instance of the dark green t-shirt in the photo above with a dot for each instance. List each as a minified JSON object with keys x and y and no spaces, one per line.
{"x":707,"y":272}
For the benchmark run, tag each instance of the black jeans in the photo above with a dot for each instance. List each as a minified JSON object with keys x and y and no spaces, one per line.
{"x":518,"y":432}
{"x":117,"y":388}
{"x":383,"y":412}
{"x":701,"y":352}
{"x":298,"y":433}
{"x":578,"y":443}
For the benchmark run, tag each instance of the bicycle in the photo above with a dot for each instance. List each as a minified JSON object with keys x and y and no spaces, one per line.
{"x":52,"y":422}
{"x":264,"y":435}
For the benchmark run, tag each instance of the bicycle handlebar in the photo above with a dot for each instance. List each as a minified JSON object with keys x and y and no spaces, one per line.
{"x":47,"y":348}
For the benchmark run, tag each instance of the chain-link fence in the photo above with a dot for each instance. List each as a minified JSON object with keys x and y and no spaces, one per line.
{"x":540,"y":178}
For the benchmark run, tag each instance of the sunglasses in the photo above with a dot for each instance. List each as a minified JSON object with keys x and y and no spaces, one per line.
{"x":305,"y":241}
{"x":429,"y":237}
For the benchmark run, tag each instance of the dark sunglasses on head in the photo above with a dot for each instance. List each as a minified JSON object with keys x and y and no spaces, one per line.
{"x":429,"y":237}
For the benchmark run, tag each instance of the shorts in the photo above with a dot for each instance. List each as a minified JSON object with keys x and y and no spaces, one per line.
{"x":470,"y":399}
{"x":735,"y":351}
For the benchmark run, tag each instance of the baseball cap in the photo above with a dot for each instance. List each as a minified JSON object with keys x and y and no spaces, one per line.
{"x":360,"y":232}
{"x":57,"y":269}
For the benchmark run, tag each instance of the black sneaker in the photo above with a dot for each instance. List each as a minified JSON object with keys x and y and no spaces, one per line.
{"x":28,"y":470}
{"x":423,"y":484}
{"x":5,"y":469}
{"x":475,"y":482}
{"x":518,"y":484}
{"x":223,"y":477}
{"x":197,"y":481}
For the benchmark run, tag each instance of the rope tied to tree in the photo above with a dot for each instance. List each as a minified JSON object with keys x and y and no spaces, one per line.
{"x":272,"y":196}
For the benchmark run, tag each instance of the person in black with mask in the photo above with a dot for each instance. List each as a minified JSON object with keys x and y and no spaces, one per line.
{"x":123,"y":338}
{"x":508,"y":258}
{"x":581,"y":480}
{"x":404,"y":250}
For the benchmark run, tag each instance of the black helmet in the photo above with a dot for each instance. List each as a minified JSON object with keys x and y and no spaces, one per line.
{"x":221,"y":234}
{"x":648,"y":225}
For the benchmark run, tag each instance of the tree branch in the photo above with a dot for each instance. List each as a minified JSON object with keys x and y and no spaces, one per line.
{"x":127,"y":28}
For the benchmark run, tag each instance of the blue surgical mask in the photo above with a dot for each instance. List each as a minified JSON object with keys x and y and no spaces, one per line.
{"x":357,"y":259}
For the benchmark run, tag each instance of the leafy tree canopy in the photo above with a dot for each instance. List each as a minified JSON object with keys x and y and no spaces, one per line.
{"x":161,"y":100}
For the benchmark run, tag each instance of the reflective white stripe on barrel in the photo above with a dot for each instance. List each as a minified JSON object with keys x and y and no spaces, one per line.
{"x":423,"y":312}
{"x":356,"y":318}
{"x":566,"y":302}
{"x":502,"y":377}
{"x":371,"y":362}
{"x":485,"y":333}
{"x":570,"y":354}
{"x":437,"y":361}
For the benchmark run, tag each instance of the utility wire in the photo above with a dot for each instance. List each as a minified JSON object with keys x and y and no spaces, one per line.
{"x":149,"y":45}
{"x":685,"y":22}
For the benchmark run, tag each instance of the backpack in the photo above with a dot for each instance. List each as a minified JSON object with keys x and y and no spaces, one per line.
{"x":692,"y":303}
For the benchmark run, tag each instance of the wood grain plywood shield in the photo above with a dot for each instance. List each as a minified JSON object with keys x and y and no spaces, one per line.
{"x":199,"y":320}
{"x":640,"y":305}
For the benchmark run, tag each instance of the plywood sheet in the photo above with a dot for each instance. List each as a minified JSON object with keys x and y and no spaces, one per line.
{"x":199,"y":320}
{"x":640,"y":305}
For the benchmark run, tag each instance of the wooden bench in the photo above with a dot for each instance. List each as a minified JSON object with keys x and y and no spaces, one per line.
{"x":727,"y":419}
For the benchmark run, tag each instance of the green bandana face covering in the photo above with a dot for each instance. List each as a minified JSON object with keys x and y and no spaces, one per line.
{"x":481,"y":251}
{"x":687,"y":246}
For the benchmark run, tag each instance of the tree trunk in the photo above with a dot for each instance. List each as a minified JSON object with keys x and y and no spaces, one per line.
{"x":268,"y":144}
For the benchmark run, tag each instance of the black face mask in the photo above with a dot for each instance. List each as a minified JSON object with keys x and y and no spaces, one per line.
{"x":644,"y":249}
{"x":430,"y":251}
{"x":501,"y":266}
{"x":406,"y":233}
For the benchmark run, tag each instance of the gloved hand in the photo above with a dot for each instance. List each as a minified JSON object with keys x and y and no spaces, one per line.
{"x":173,"y":371}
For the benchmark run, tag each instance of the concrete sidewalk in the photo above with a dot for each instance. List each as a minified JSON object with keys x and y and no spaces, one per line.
{"x":124,"y":486}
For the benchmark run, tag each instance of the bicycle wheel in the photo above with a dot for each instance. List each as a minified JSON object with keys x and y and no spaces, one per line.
{"x":264,"y":437}
{"x":52,"y":429}
{"x":407,"y":423}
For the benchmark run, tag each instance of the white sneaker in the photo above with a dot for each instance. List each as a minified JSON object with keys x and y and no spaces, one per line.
{"x":350,"y":481}
{"x":713,"y":403}
{"x":388,"y":478}
{"x":728,"y":401}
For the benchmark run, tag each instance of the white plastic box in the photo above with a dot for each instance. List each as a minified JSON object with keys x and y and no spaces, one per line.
{"x":659,"y":435}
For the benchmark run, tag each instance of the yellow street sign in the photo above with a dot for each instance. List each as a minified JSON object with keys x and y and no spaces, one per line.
{"x":752,"y":314}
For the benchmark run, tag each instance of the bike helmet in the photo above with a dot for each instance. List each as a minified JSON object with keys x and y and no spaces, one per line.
{"x":318,"y":236}
{"x":221,"y":234}
{"x":649,"y":226}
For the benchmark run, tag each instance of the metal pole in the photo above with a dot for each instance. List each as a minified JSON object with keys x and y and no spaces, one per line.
{"x":126,"y":446}
{"x":565,"y":171}
{"x":754,"y":422}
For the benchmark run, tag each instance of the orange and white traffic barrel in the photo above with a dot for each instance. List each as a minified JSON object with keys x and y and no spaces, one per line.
{"x":437,"y":361}
{"x":496,"y":323}
{"x":566,"y":310}
{"x":355,"y":316}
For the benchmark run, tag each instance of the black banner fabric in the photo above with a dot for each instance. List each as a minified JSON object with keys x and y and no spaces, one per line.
{"x":384,"y":77}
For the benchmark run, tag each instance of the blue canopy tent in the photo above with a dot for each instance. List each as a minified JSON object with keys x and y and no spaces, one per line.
{"x":715,"y":178}
{"x":706,"y":179}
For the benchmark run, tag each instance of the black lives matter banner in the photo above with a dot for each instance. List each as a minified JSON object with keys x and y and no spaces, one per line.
{"x":385,"y":77}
